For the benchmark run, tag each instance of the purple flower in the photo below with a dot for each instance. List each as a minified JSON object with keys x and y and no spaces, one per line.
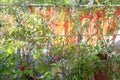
{"x":56,"y":57}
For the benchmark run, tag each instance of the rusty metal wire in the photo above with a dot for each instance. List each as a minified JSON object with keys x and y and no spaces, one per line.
{"x":53,"y":5}
{"x":81,"y":35}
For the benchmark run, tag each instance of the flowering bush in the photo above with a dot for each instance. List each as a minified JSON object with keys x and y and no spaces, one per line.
{"x":56,"y":44}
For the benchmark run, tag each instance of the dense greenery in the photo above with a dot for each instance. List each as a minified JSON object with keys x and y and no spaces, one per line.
{"x":31,"y":44}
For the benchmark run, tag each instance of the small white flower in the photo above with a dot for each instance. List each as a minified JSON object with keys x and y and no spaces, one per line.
{"x":44,"y":51}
